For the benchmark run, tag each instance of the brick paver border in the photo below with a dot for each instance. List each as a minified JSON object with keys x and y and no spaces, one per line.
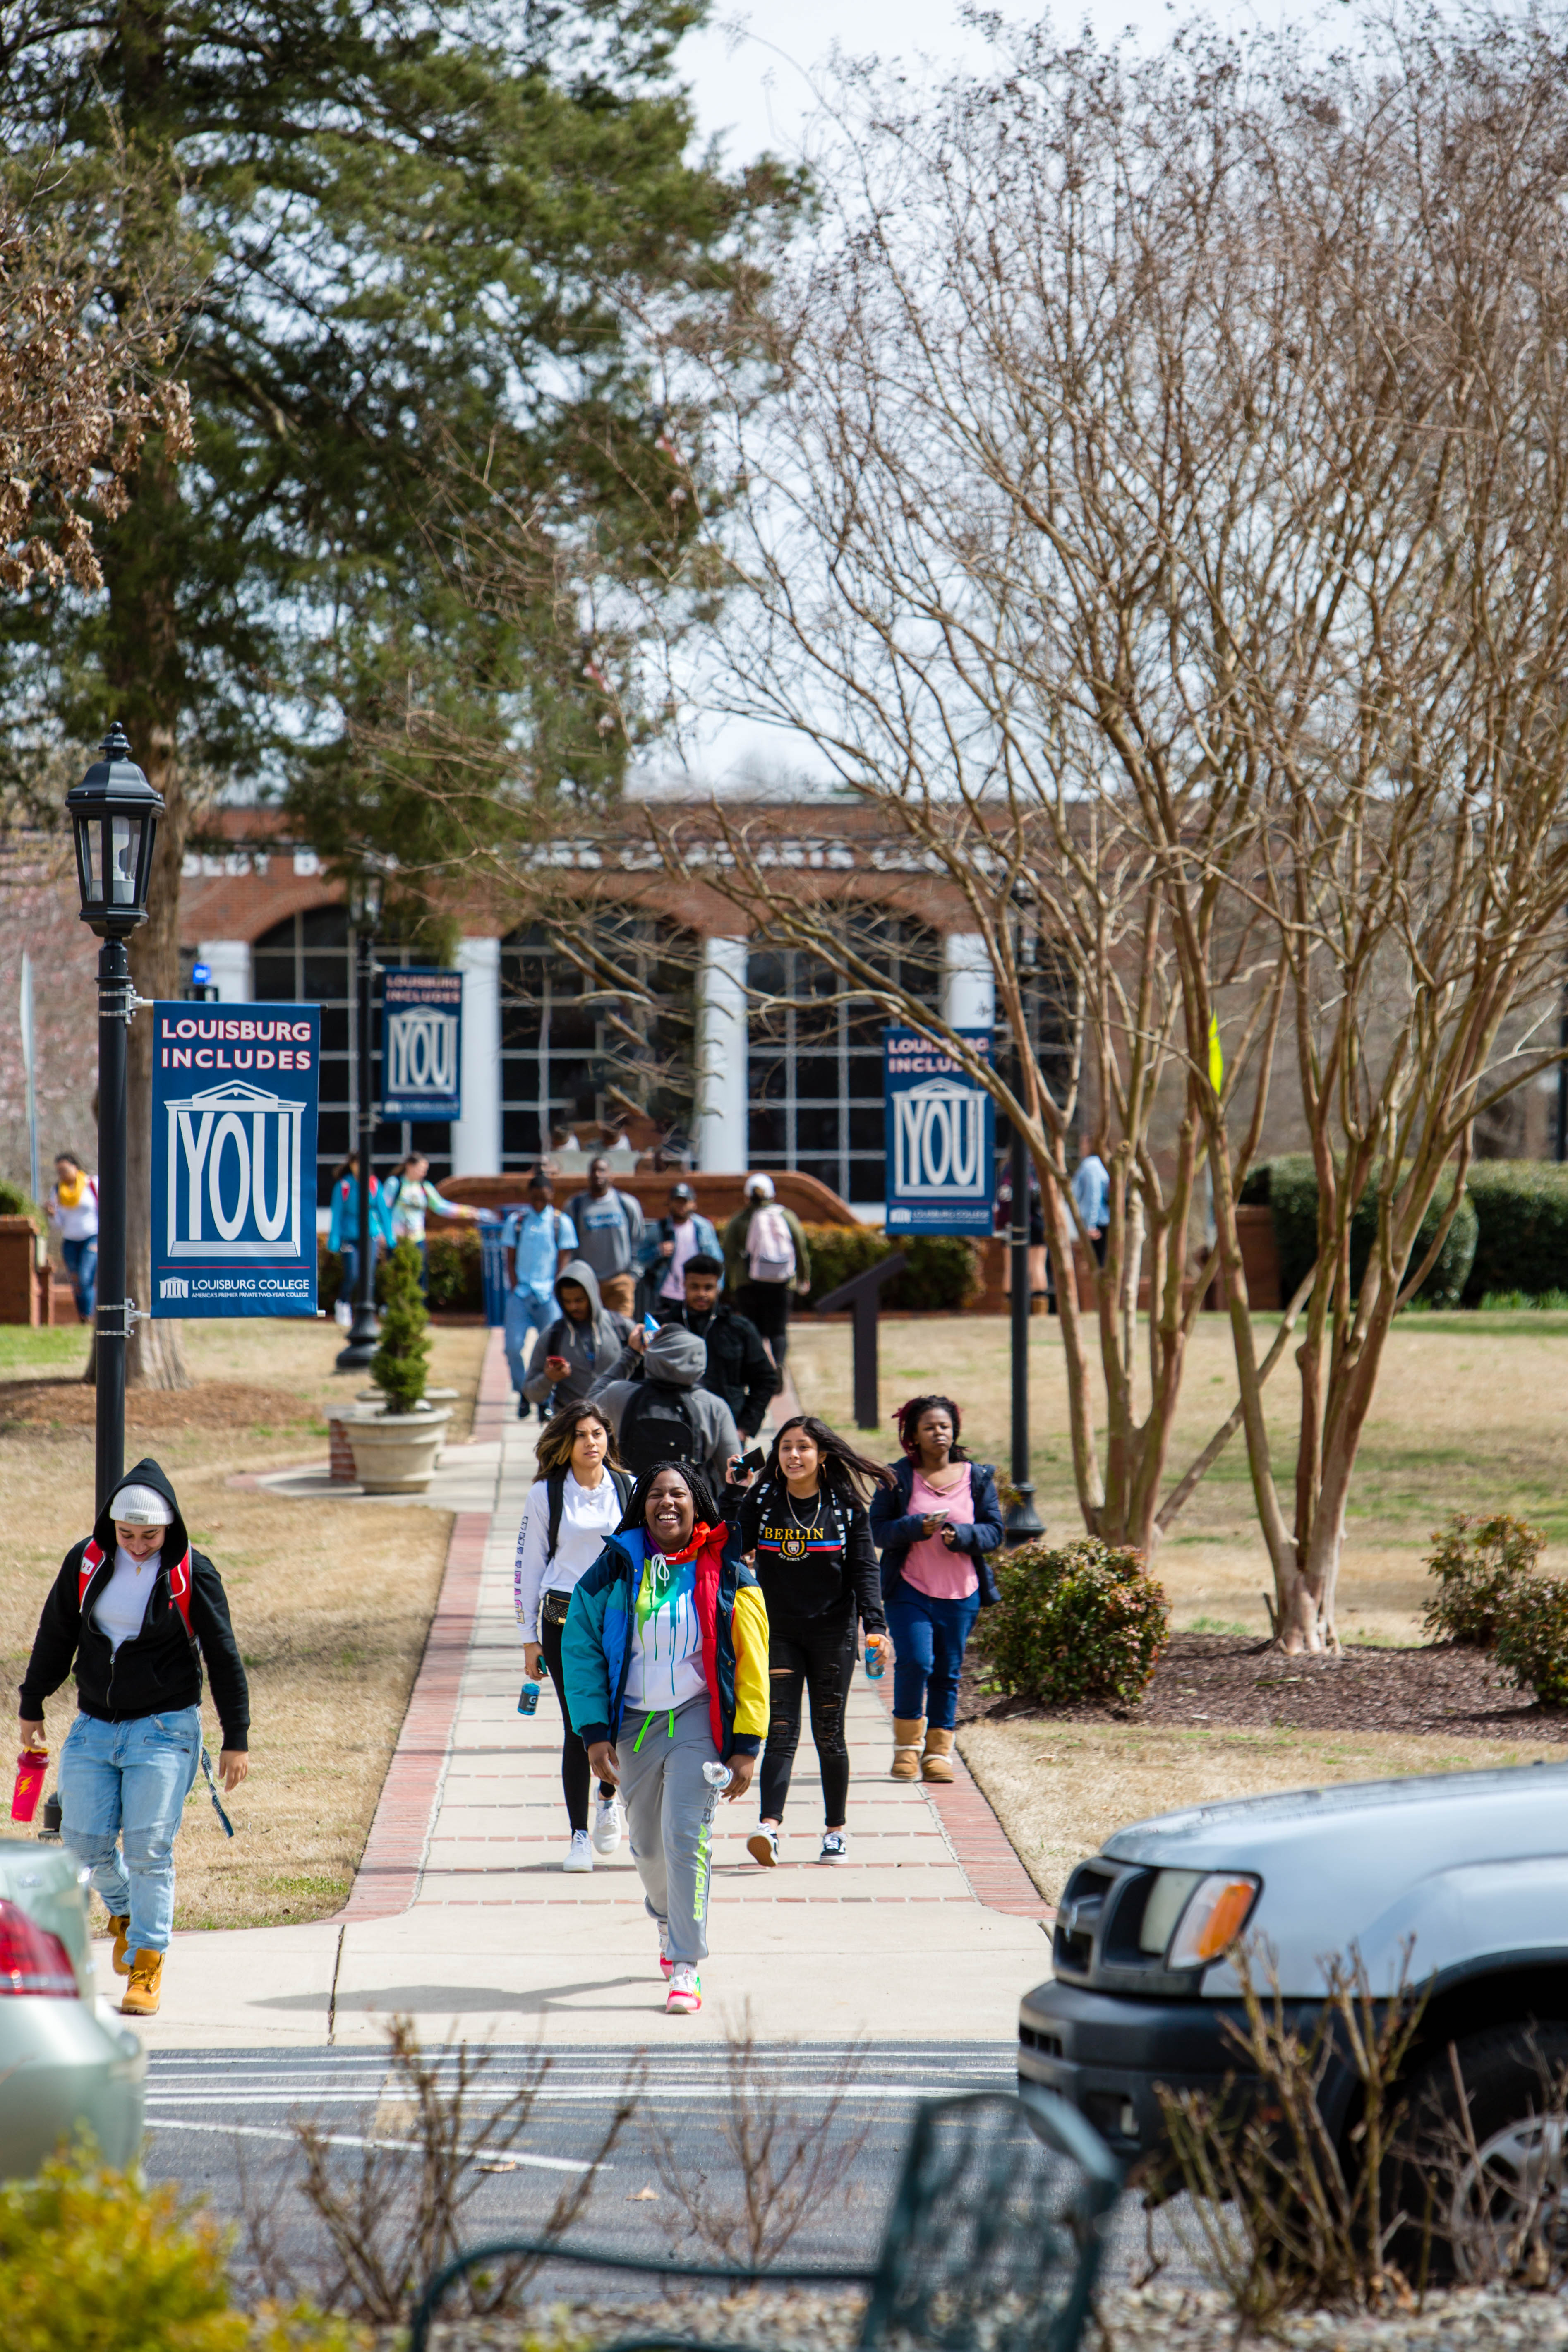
{"x":387,"y":1878}
{"x":986,"y":1854}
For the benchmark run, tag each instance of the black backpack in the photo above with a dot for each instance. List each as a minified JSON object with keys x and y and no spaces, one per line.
{"x":555,"y":1488}
{"x":658,"y":1426}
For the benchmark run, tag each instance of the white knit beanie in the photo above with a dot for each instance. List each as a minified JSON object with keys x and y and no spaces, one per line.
{"x":141,"y":1507}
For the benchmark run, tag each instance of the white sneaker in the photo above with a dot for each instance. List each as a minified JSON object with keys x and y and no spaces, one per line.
{"x":684,"y":1992}
{"x":762,"y":1845}
{"x":579,"y":1853}
{"x":665,"y":1962}
{"x":835,"y":1847}
{"x":607,"y":1824}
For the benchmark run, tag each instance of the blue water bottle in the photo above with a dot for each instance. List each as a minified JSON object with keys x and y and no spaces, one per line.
{"x":873,"y":1663}
{"x":527,"y":1699}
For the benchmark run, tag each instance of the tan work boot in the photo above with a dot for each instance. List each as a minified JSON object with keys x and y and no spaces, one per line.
{"x":121,"y":1923}
{"x":936,"y":1764}
{"x":145,"y":1988}
{"x":907,"y":1748}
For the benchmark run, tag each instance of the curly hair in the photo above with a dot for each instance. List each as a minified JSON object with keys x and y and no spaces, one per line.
{"x":559,"y":1435}
{"x":703,"y":1503}
{"x":908,"y":1418}
{"x":849,"y":1472}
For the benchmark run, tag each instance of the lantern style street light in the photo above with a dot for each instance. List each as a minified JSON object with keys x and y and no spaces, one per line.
{"x":114,"y":813}
{"x":363,"y":893}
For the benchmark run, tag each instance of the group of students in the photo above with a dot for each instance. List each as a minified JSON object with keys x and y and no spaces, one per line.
{"x":685,"y":1616}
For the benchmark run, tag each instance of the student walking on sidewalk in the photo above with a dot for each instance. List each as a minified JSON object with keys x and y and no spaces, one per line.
{"x":136,"y":1611}
{"x":804,"y":1521}
{"x":575,"y":1506}
{"x":935,"y":1525}
{"x":666,"y":1658}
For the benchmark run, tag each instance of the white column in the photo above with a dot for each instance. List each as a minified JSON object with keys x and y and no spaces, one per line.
{"x":722,"y":1034}
{"x":229,"y":960}
{"x":968,"y":984}
{"x":476,"y":1137}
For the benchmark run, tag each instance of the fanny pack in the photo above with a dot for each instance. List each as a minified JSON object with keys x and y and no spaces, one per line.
{"x":554,"y":1607}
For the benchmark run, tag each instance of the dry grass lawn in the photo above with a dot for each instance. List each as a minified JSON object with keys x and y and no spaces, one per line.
{"x":1469,"y":1417}
{"x":330,"y":1601}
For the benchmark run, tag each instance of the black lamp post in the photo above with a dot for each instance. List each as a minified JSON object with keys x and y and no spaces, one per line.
{"x":114,"y":812}
{"x":364,"y":889}
{"x":1023,"y":1521}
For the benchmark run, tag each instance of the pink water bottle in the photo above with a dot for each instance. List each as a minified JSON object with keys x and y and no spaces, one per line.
{"x":32,"y":1766}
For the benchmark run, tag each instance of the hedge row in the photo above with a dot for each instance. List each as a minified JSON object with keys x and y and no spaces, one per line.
{"x":942,"y":1273}
{"x":457,"y":1280}
{"x":1289,"y":1186}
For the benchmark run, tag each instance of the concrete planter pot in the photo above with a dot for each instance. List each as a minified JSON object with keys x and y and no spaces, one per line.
{"x":396,"y":1453}
{"x":431,"y":1396}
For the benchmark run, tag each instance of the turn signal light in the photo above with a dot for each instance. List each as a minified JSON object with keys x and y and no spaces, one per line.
{"x":31,"y":1959}
{"x":1217,"y":1912}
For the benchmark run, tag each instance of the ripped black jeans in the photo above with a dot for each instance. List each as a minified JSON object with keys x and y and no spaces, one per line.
{"x":814,"y":1655}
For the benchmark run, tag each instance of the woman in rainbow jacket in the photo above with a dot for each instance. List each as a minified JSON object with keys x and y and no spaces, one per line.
{"x":664,"y":1659}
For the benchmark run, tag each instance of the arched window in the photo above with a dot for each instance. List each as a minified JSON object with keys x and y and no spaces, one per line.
{"x":596,"y":1033}
{"x":815,"y":1084}
{"x":306,"y":959}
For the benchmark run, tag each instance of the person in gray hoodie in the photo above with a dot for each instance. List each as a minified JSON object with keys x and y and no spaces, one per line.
{"x":667,"y":1416}
{"x":579,"y":1347}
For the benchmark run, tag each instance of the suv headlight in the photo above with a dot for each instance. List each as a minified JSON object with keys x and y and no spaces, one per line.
{"x":1215,"y":1914}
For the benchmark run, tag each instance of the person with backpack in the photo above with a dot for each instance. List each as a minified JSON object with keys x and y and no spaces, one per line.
{"x":670,"y":1244}
{"x":804,"y":1525}
{"x":135,"y":1611}
{"x":665,"y":1660}
{"x":343,"y":1235}
{"x":766,"y":1260}
{"x":575,"y":1506}
{"x":936,"y":1524}
{"x":579,"y":1347}
{"x":668,"y":1415}
{"x":537,"y":1241}
{"x":609,"y":1228}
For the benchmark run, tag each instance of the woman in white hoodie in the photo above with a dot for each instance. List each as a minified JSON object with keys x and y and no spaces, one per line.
{"x":574,"y":1507}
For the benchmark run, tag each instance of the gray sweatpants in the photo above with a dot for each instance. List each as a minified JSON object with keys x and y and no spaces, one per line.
{"x":668,"y":1815}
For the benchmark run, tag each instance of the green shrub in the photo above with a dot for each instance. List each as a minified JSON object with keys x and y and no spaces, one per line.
{"x":1533,"y":1638}
{"x":399,"y":1366}
{"x":942,"y":1273}
{"x":95,"y":2261}
{"x":1289,"y":1186}
{"x":456,"y":1271}
{"x":1523,"y":1208}
{"x":16,"y":1200}
{"x":1505,"y":1302}
{"x":1076,"y":1621}
{"x":1480,"y":1566}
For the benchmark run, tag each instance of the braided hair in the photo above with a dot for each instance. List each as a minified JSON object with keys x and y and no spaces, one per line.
{"x":908,"y":1418}
{"x":703,"y":1505}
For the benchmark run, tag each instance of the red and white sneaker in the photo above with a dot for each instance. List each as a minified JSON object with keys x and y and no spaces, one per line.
{"x":685,"y":1989}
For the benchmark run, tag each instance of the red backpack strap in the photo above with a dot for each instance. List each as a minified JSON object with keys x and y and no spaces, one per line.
{"x":92,"y":1561}
{"x":180,"y":1592}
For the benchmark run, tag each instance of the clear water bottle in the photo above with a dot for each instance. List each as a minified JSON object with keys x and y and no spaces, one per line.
{"x":527,"y":1699}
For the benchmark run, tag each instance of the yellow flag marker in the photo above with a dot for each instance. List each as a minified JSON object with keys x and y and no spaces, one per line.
{"x":1216,"y":1059}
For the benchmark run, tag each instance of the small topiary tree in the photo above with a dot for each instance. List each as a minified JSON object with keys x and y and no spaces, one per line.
{"x":1533,"y":1638}
{"x":1076,"y":1621}
{"x":400,"y":1365}
{"x":1480,"y":1566}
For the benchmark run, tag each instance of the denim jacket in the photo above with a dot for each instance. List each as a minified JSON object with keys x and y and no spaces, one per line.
{"x":894,"y":1528}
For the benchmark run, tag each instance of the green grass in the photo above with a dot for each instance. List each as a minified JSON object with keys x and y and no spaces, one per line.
{"x":24,"y":1350}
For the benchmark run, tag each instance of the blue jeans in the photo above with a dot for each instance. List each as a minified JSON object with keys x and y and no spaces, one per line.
{"x":526,"y":1313}
{"x":81,"y":1264}
{"x":126,"y":1784}
{"x":929,"y":1638}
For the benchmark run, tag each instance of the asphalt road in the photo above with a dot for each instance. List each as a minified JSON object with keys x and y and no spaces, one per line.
{"x":221,"y":2124}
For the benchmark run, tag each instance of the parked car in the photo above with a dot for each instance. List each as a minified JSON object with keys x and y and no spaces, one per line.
{"x":63,"y":2064}
{"x":1466,"y":1871}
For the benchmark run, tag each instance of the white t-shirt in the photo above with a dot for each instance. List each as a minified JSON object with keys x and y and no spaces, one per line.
{"x":122,"y":1606}
{"x":589,"y":1518}
{"x":78,"y":1223}
{"x":684,"y":1236}
{"x":665,"y":1669}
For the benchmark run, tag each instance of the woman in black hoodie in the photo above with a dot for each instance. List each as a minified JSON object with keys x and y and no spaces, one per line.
{"x":135,"y":1611}
{"x":805,"y":1522}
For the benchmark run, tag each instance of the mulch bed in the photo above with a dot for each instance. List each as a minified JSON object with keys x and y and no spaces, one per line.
{"x":1227,"y":1681}
{"x":211,"y":1404}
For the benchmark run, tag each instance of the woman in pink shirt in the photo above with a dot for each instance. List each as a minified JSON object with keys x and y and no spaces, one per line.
{"x":935,"y":1525}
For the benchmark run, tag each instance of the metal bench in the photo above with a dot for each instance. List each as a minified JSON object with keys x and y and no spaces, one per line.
{"x":999,"y":2218}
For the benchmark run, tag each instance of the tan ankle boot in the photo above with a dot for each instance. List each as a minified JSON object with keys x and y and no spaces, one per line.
{"x":936,"y":1764}
{"x":146,"y":1989}
{"x":907,"y":1749}
{"x":121,"y":1923}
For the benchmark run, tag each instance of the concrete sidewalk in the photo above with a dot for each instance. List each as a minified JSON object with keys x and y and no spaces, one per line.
{"x":461,"y":1918}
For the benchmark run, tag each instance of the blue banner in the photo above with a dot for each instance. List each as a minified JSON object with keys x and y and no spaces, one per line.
{"x":940,"y":1136}
{"x":422,"y":1044}
{"x":234,"y":1091}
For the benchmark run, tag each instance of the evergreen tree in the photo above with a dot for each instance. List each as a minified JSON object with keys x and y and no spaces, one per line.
{"x":419,"y":233}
